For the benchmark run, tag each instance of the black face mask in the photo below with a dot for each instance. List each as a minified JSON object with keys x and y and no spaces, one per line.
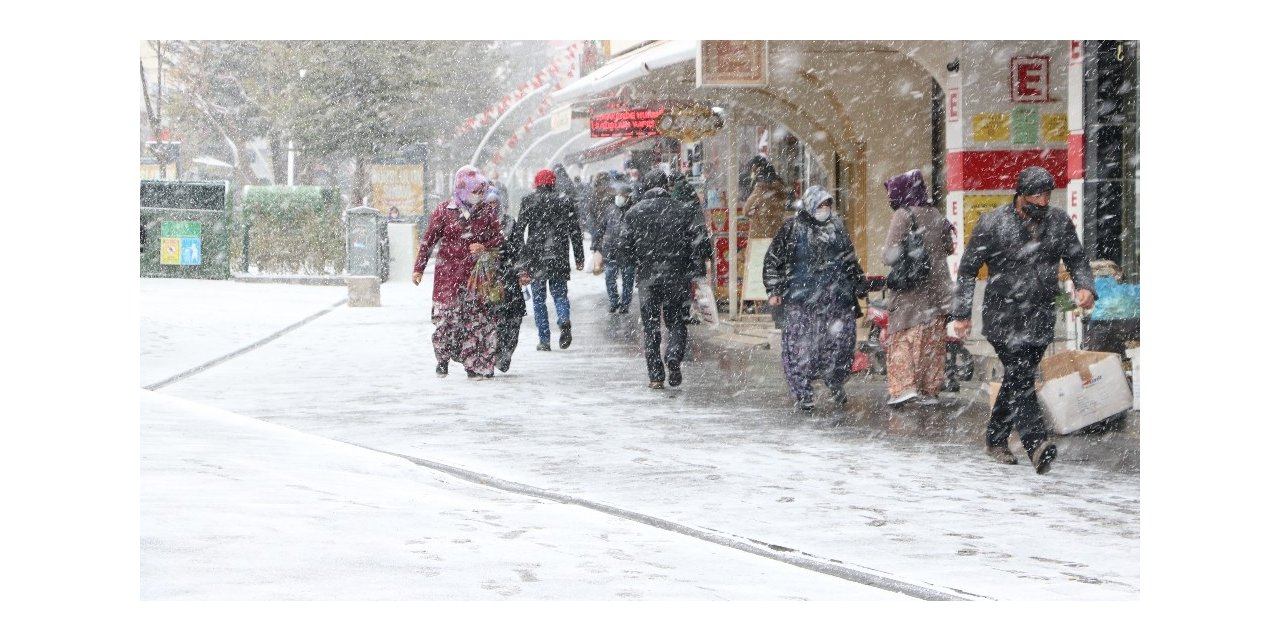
{"x":1035,"y":212}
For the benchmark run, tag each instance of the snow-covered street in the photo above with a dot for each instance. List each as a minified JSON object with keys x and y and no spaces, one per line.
{"x":281,"y":473}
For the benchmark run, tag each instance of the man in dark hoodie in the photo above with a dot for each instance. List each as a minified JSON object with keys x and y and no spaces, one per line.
{"x":658,"y":240}
{"x":1022,"y":244}
{"x":551,"y":221}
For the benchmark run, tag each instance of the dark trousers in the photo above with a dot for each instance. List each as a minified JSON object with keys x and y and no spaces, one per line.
{"x":508,"y":336}
{"x":1016,"y":406}
{"x":663,"y":302}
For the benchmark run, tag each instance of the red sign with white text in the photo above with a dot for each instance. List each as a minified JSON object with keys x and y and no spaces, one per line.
{"x":632,"y":123}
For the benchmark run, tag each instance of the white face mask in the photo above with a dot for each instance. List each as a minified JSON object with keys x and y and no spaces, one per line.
{"x":822,"y":214}
{"x":473,"y":198}
{"x":619,"y":200}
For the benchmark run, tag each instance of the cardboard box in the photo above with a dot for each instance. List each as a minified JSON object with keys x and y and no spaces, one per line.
{"x":1081,"y":388}
{"x":1133,"y":354}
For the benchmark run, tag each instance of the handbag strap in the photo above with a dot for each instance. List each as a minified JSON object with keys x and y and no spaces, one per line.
{"x":912,"y":229}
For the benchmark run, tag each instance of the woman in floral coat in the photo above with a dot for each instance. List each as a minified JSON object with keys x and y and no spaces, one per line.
{"x":464,"y":226}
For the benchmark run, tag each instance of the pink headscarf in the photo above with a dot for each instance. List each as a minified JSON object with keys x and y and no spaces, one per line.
{"x":467,"y":180}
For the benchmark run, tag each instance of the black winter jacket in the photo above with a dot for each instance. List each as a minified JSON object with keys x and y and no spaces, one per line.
{"x":606,"y":236}
{"x":659,"y":240}
{"x":781,"y":269}
{"x":512,"y":304}
{"x":1022,"y":280}
{"x":551,"y":221}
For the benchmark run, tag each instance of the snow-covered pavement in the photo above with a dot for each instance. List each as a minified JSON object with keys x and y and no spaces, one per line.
{"x":730,"y":495}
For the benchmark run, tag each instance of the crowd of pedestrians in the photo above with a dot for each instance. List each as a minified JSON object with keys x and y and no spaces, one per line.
{"x":650,"y":238}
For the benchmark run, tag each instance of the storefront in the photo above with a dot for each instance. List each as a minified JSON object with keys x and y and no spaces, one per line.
{"x":848,"y":115}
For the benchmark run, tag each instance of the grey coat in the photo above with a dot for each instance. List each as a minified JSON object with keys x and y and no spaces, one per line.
{"x":1022,"y":274}
{"x":935,"y":297}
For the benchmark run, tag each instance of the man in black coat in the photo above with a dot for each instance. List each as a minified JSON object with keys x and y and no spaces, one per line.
{"x":550,"y":219}
{"x":1022,"y":244}
{"x":683,"y":193}
{"x":660,"y":242}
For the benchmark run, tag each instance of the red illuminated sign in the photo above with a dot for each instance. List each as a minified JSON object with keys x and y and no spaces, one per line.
{"x":633,"y":123}
{"x":1029,"y":79}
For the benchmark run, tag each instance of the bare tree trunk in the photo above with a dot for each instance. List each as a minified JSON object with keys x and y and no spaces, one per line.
{"x":359,"y":186}
{"x":158,"y":151}
{"x":279,"y":160}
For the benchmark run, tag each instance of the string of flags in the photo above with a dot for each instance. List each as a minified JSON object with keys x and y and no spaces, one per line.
{"x":514,"y":140}
{"x":561,"y":67}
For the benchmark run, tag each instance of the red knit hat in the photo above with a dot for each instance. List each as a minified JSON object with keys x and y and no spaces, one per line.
{"x":544,"y":178}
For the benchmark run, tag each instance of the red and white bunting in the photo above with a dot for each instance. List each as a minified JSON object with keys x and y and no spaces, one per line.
{"x":512,"y":142}
{"x":566,"y":60}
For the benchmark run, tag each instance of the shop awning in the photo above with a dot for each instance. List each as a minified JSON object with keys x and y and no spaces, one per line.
{"x":605,"y":149}
{"x":628,"y":67}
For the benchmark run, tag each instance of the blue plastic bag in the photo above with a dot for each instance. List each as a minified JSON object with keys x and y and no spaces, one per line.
{"x":1116,"y":301}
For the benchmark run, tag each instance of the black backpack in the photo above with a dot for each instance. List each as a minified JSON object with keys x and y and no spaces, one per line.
{"x":911,"y":269}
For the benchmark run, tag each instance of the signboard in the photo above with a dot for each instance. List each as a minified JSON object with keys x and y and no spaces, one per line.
{"x":974,"y":207}
{"x":180,"y":243}
{"x":732,"y":63}
{"x":397,"y":185}
{"x":690,"y":124}
{"x":632,"y":123}
{"x":990,"y":127}
{"x":754,"y":286}
{"x":1053,"y":127}
{"x":1029,"y":79}
{"x":955,"y":117}
{"x":1025,"y":124}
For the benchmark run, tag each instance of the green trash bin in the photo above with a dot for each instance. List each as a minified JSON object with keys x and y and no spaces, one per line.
{"x":184,"y":230}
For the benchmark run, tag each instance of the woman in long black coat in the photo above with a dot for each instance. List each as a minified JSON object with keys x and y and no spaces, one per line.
{"x":510,"y":312}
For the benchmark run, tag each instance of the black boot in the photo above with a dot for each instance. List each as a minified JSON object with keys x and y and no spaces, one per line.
{"x":673,"y":373}
{"x":442,"y":369}
{"x":566,"y":336}
{"x":1043,"y":455}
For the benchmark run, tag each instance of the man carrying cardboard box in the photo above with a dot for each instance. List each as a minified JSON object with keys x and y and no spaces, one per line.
{"x":1022,"y":244}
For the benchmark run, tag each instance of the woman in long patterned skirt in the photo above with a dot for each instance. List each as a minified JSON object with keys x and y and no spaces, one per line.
{"x":464,"y":226}
{"x":812,"y":271}
{"x":918,"y":317}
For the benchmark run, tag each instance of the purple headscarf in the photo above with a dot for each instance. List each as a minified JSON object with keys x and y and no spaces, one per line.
{"x":907,"y":190}
{"x":465,"y":181}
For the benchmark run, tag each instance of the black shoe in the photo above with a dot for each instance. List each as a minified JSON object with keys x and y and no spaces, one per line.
{"x":839,"y":397}
{"x":673,"y":373}
{"x":442,"y":369}
{"x":805,"y":405}
{"x":566,"y":336}
{"x":504,"y":363}
{"x":624,"y":308}
{"x":1002,"y":455}
{"x":543,"y":346}
{"x":472,"y":374}
{"x":1043,"y":455}
{"x":613,"y":308}
{"x":655,"y":384}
